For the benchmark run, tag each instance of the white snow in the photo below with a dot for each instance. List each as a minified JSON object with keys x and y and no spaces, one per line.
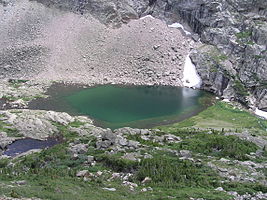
{"x":147,"y":16}
{"x":261,"y":113}
{"x":190,"y":75}
{"x":178,"y":25}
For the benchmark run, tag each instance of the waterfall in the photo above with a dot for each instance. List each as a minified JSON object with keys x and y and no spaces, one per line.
{"x":190,"y":75}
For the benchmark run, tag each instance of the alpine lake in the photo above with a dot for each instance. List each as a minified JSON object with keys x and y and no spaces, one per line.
{"x":115,"y":106}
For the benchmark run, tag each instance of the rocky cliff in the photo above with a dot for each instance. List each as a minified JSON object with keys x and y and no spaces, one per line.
{"x":233,"y":59}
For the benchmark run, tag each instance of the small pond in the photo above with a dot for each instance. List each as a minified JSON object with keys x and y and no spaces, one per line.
{"x":24,"y":145}
{"x":115,"y":106}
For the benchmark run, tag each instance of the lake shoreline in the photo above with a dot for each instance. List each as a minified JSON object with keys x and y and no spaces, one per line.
{"x":57,"y":93}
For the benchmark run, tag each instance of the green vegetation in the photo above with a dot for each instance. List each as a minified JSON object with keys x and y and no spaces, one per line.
{"x":118,"y":164}
{"x":219,"y":57}
{"x":76,"y":124}
{"x":63,"y":131}
{"x":258,"y":56}
{"x":244,"y":38}
{"x":218,"y":145}
{"x":168,"y":171}
{"x":245,"y":187}
{"x":11,"y":132}
{"x":51,"y":174}
{"x":216,"y":54}
{"x":213,"y":68}
{"x":240,"y":88}
{"x":221,"y":116}
{"x":244,"y":34}
{"x":16,"y":83}
{"x":142,"y":141}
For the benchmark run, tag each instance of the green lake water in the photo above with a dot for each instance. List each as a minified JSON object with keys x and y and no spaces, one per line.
{"x":134,"y":106}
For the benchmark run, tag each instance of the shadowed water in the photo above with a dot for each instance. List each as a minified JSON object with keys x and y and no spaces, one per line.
{"x":24,"y":145}
{"x":135,"y":106}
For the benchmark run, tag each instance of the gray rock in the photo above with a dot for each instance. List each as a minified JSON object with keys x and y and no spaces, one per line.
{"x":90,"y":159}
{"x":110,"y":189}
{"x":108,"y":135}
{"x":133,"y":144}
{"x":78,"y":148}
{"x":147,"y":189}
{"x":146,"y":180}
{"x":123,"y":142}
{"x":23,"y":182}
{"x":219,"y":189}
{"x":82,"y":173}
{"x":103,"y":144}
{"x":132,"y":156}
{"x":186,"y":153}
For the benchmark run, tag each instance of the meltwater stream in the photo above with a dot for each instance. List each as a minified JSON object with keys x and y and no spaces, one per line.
{"x":114,"y":106}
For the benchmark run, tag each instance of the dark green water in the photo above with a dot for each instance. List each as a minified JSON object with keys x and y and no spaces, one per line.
{"x":134,"y":106}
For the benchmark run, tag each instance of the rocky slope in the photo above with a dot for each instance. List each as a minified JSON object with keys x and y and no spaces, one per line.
{"x":46,"y":43}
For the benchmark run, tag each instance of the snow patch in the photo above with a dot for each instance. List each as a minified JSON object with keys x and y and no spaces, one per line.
{"x":190,"y":75}
{"x":178,"y":25}
{"x":147,"y":16}
{"x":261,"y":113}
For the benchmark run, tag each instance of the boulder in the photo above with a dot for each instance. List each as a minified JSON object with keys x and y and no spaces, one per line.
{"x":83,"y":173}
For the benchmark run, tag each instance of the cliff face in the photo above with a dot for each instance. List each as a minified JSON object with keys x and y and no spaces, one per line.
{"x":235,"y":62}
{"x":233,"y":59}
